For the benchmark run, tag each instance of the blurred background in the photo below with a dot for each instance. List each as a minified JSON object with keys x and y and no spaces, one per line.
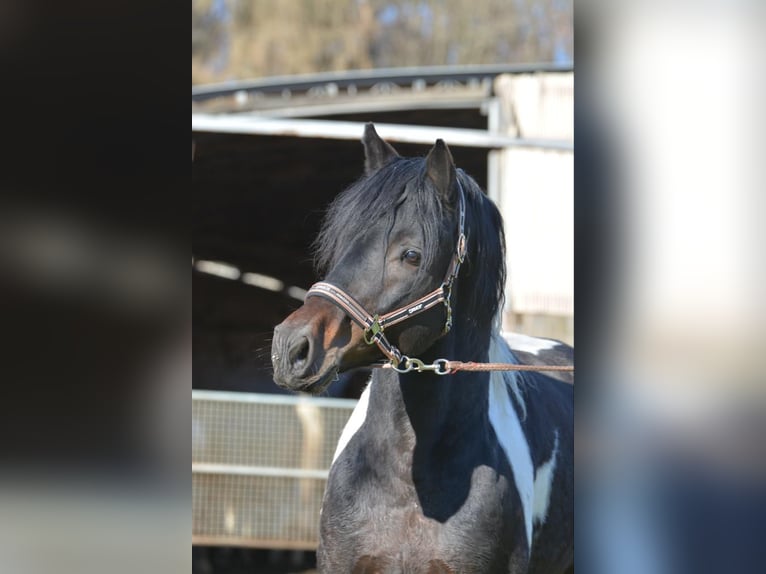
{"x":281,"y":92}
{"x":660,"y":205}
{"x":95,"y":316}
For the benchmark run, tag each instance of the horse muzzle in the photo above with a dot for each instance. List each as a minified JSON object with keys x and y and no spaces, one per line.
{"x":298,"y":354}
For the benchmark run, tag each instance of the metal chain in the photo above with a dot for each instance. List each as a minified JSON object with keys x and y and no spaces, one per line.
{"x":407,"y":364}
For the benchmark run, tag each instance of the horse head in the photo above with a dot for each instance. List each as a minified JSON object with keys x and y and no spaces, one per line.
{"x":386,"y":242}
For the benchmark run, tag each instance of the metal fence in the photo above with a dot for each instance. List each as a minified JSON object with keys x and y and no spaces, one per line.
{"x":259,"y":466}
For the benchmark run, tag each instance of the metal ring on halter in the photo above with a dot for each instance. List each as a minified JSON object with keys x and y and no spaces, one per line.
{"x":441,"y":367}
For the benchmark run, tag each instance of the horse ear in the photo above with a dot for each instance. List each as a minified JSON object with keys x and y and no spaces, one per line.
{"x":377,"y":153}
{"x":440,"y":169}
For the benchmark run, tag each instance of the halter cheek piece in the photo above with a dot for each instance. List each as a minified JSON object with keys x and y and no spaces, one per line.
{"x":375,"y":325}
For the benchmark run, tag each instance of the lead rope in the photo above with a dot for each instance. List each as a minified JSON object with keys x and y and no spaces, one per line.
{"x":446,"y":367}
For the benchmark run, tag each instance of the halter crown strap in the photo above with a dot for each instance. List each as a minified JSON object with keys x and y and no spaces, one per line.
{"x":374,"y":325}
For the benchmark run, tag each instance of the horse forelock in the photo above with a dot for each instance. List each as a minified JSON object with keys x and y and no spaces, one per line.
{"x":374,"y":200}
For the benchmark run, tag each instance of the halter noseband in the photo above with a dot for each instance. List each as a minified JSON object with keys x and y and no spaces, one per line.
{"x":375,"y":325}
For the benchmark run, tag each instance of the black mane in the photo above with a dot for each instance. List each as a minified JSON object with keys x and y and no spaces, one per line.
{"x":481,"y":281}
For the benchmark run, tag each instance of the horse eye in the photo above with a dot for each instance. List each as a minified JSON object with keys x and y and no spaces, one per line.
{"x":412,"y":257}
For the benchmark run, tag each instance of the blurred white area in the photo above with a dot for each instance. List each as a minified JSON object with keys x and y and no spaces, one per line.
{"x":680,"y":88}
{"x":92,"y":529}
{"x":57,"y":250}
{"x":671,"y":440}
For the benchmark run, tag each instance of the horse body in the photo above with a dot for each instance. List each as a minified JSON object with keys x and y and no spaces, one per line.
{"x":423,"y":483}
{"x":468,"y":472}
{"x":412,"y":503}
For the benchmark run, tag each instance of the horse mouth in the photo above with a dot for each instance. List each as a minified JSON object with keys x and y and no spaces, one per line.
{"x":321,"y":382}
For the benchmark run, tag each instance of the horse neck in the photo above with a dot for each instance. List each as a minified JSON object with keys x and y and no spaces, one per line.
{"x":429,"y":410}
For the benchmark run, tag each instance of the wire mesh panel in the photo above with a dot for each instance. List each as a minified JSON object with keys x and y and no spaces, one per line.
{"x":260,"y":465}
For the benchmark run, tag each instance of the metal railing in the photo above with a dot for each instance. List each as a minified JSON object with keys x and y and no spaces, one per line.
{"x":331,"y":129}
{"x":259,"y":466}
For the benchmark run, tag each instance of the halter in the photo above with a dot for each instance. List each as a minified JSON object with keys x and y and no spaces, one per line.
{"x":375,"y":325}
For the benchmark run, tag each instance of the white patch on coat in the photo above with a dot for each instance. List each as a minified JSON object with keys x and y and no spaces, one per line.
{"x":527,"y":344}
{"x":543,"y":483}
{"x":358,"y":415}
{"x":507,"y":425}
{"x":500,"y":352}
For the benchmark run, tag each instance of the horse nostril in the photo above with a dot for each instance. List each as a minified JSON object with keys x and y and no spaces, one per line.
{"x":299,"y":352}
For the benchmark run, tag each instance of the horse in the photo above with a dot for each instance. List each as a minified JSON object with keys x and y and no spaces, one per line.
{"x":436,"y":471}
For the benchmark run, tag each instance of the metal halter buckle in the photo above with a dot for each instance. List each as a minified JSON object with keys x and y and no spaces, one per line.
{"x":462,"y":247}
{"x":371,"y":331}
